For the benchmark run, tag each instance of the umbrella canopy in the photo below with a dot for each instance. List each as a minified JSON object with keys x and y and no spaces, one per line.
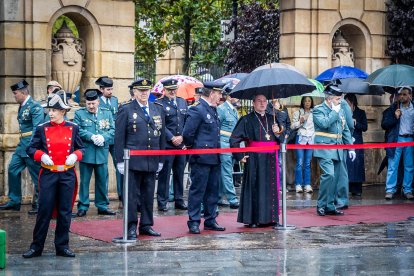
{"x":318,"y":92}
{"x":359,"y":86}
{"x":273,"y":83}
{"x":187,"y":90}
{"x":238,"y":76}
{"x":341,"y":72}
{"x":280,"y":65}
{"x":158,"y":87}
{"x":393,"y":76}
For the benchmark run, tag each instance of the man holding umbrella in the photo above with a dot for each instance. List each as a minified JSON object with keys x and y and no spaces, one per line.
{"x":331,"y":129}
{"x":175,"y":109}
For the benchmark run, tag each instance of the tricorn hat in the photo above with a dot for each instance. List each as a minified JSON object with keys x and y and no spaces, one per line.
{"x":170,"y":84}
{"x":58,"y":101}
{"x":20,"y":85}
{"x":104,"y":81}
{"x":92,"y":94}
{"x":54,"y":83}
{"x":333,"y":89}
{"x":142,"y":84}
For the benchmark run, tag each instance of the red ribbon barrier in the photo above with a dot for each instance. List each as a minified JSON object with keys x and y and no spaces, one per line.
{"x":268,"y":148}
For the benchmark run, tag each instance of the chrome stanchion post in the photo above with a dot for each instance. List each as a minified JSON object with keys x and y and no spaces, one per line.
{"x":124,"y":238}
{"x":284,"y":226}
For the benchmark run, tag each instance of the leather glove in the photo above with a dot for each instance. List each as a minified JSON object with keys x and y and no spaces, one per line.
{"x":71,"y":159}
{"x":46,"y":160}
{"x":160,"y":165}
{"x":120,"y":167}
{"x":352,"y":155}
{"x":336,"y":107}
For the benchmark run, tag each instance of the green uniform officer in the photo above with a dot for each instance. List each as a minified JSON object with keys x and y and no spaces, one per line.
{"x":30,"y":115}
{"x":331,"y":129}
{"x":97,"y":130}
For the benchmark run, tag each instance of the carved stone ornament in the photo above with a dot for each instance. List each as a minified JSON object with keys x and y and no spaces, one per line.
{"x":343,"y":55}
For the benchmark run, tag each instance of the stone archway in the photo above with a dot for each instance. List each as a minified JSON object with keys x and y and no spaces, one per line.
{"x":359,"y":39}
{"x":90,"y":33}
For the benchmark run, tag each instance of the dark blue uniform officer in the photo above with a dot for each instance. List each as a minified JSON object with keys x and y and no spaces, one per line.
{"x":140,"y":125}
{"x":202,"y":131}
{"x":110,"y":102}
{"x":175,"y":109}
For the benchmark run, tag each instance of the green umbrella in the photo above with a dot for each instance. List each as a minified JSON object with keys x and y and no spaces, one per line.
{"x":393,"y":76}
{"x":318,"y":92}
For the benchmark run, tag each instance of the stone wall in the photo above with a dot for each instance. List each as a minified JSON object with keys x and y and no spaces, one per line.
{"x":107,"y":27}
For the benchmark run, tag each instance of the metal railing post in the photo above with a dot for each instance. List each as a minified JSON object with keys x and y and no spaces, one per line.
{"x":284,"y":226}
{"x":124,"y":238}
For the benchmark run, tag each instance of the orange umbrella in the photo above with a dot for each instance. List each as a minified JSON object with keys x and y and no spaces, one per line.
{"x":187,"y":90}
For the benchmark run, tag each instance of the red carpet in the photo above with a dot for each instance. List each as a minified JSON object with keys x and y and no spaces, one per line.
{"x":176,"y":226}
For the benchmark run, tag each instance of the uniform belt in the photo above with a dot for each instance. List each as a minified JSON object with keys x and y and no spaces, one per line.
{"x":225,"y":133}
{"x":330,"y":135}
{"x":405,"y":135}
{"x":58,"y":168}
{"x":25,"y":134}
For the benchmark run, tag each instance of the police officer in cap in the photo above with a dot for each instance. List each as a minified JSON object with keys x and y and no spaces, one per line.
{"x":140,"y":125}
{"x":331,"y":129}
{"x":175,"y":109}
{"x":110,"y":102}
{"x":97,"y":130}
{"x":202,"y":131}
{"x":29,"y":116}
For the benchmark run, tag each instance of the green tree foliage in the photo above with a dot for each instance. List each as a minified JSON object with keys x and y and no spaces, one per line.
{"x":400,"y":15}
{"x":58,"y":23}
{"x":257,"y":41}
{"x":193,"y":24}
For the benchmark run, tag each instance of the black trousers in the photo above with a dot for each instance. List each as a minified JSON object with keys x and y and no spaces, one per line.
{"x":141,"y":187}
{"x":176,"y":163}
{"x":55,"y":190}
{"x":204,"y":189}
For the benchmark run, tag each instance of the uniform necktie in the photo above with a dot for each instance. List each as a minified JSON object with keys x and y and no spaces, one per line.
{"x":144,"y":108}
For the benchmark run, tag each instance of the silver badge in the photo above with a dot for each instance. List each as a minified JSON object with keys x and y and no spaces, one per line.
{"x":134,"y":115}
{"x":208,"y":116}
{"x":168,"y":108}
{"x":155,"y":132}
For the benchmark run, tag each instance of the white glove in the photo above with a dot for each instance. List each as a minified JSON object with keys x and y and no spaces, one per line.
{"x":100,"y":140}
{"x":71,"y":159}
{"x":353,"y":140}
{"x":46,"y":160}
{"x":352,"y":155}
{"x":160,"y":165}
{"x":120,"y":167}
{"x":336,"y":107}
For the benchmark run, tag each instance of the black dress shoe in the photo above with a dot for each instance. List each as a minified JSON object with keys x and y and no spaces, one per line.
{"x":252,"y":225}
{"x":214,"y":227}
{"x":148,"y":231}
{"x":222,"y":204}
{"x":321,"y":211}
{"x":181,"y":206}
{"x":81,"y":213}
{"x":106,"y":212}
{"x":33,"y":211}
{"x":132,"y":232}
{"x":234,"y":205}
{"x":334,"y":213}
{"x":194,"y":229}
{"x":65,"y":253}
{"x":9,"y":206}
{"x":31,"y":253}
{"x":343,"y":207}
{"x":162,"y":208}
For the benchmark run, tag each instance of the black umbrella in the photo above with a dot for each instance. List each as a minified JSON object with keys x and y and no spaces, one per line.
{"x":273,"y":83}
{"x":359,"y":86}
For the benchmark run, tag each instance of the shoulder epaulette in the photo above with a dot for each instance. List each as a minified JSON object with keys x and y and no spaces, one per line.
{"x":104,"y":108}
{"x":157,"y":103}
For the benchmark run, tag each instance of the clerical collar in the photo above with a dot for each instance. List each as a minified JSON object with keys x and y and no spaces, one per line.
{"x":264,"y":112}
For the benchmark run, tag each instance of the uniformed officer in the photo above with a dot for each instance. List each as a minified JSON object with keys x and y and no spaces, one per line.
{"x":175,"y":109}
{"x":228,"y":119}
{"x":29,"y":116}
{"x":331,"y":129}
{"x":58,"y":146}
{"x":140,"y":125}
{"x":109,"y":101}
{"x":97,"y":130}
{"x":202,"y":131}
{"x":52,"y":87}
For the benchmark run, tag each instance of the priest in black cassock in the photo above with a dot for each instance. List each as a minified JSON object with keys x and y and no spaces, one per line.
{"x":259,"y":194}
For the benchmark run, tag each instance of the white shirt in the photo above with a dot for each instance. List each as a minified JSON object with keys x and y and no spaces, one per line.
{"x":25,"y":101}
{"x":141,"y":105}
{"x":306,"y":130}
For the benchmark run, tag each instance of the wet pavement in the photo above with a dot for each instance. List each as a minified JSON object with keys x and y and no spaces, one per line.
{"x":372,"y":249}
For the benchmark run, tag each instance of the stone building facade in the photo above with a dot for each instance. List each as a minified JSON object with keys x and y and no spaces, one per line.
{"x":106,"y":27}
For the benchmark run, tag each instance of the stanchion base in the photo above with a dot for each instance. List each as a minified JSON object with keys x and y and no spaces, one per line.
{"x":410,"y":218}
{"x":122,"y":240}
{"x":286,"y":227}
